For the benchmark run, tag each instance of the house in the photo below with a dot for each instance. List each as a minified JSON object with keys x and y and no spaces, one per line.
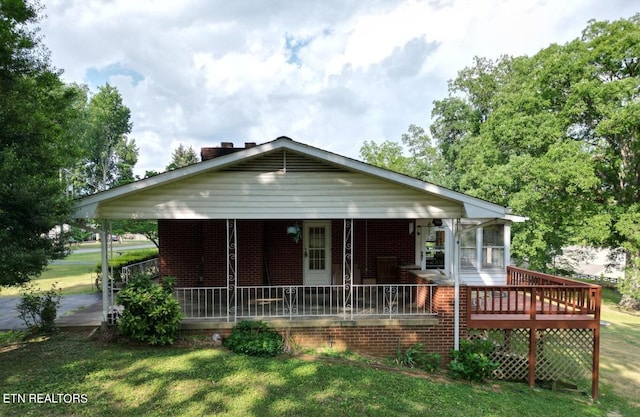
{"x":333,"y":251}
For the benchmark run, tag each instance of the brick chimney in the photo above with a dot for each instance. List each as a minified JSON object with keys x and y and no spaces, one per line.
{"x":225,"y":148}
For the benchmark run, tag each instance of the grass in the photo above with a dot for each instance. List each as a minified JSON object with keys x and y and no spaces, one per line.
{"x":195,"y":378}
{"x":124,"y":380}
{"x":74,"y":274}
{"x":620,"y":350}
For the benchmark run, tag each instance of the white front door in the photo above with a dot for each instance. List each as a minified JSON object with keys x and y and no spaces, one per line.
{"x":317,"y":253}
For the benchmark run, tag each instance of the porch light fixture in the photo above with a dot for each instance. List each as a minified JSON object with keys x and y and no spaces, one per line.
{"x":295,"y":232}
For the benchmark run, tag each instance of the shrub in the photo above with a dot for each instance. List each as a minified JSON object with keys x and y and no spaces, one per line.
{"x":472,"y":361}
{"x":417,"y":357}
{"x":38,"y":309}
{"x":151,"y":312}
{"x":254,"y":338}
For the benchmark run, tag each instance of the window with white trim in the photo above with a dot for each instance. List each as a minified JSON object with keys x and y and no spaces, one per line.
{"x":493,"y":247}
{"x":468,"y":250}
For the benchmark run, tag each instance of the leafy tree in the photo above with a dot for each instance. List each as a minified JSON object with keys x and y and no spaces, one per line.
{"x":110,"y":153}
{"x":420,"y":163}
{"x":148,"y":228}
{"x":182,"y":157}
{"x":37,"y":116}
{"x":555,"y":136}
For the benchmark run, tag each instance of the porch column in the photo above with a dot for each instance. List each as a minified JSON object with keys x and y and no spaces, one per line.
{"x":105,"y":273}
{"x":456,"y":290}
{"x":347,"y":267}
{"x":232,"y":268}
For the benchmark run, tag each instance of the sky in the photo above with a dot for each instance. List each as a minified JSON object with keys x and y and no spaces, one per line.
{"x":328,"y":73}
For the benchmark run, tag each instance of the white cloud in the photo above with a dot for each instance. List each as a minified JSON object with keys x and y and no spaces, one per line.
{"x":216,"y":71}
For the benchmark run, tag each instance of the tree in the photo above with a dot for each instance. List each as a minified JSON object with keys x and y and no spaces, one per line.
{"x":555,"y":136}
{"x":182,"y":157}
{"x":148,"y":228}
{"x":37,"y":115}
{"x":420,"y":163}
{"x":110,"y":153}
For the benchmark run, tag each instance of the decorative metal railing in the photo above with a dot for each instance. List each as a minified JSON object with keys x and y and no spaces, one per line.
{"x":149,"y":267}
{"x":292,"y":302}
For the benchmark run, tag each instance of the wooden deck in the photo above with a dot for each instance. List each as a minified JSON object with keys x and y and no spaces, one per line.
{"x":534,"y":300}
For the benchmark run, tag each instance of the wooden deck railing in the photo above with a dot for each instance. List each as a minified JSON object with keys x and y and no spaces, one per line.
{"x":533,"y":293}
{"x":537,"y":302}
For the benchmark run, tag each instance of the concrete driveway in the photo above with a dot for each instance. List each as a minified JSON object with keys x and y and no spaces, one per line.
{"x":70,"y":305}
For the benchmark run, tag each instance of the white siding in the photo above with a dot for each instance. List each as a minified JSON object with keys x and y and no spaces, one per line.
{"x":484,"y":278}
{"x":280,"y":195}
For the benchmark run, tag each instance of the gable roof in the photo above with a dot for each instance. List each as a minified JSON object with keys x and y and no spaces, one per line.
{"x":351,"y":188}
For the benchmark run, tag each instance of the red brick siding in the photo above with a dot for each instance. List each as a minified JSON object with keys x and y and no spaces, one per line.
{"x":214,"y":253}
{"x":250,"y":241}
{"x":194,"y":251}
{"x":181,"y":250}
{"x":373,"y":238}
{"x":284,"y":255}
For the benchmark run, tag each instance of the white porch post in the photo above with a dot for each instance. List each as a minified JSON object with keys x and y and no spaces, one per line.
{"x":232,"y":267}
{"x":507,"y":245}
{"x":105,"y":273}
{"x":347,"y":267}
{"x":456,"y":290}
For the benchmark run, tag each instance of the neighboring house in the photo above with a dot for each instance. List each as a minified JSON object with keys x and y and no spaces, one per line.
{"x":333,"y":251}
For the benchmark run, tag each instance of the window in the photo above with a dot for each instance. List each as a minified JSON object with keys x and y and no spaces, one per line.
{"x":482,"y":248}
{"x":468,"y":250}
{"x":493,"y":247}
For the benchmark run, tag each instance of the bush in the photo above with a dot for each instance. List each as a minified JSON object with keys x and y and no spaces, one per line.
{"x":38,"y":309}
{"x":254,"y":338}
{"x":416,"y":357}
{"x":472,"y":361}
{"x":151,"y":312}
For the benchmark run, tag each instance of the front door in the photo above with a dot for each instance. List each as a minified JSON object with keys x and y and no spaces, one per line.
{"x":317,"y":253}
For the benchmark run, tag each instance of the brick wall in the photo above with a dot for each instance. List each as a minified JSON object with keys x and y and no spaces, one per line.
{"x":194,"y":251}
{"x":383,"y":340}
{"x":284,"y":255}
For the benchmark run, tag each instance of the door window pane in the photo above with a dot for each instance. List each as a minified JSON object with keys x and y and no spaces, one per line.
{"x":317,"y":244}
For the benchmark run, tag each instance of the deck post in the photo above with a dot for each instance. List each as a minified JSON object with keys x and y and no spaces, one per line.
{"x":533,"y":331}
{"x":595,"y":369}
{"x":347,"y":268}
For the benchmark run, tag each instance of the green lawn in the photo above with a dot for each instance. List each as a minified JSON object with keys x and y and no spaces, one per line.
{"x":123,"y":380}
{"x":620,"y":350}
{"x":74,"y":274}
{"x":195,"y":378}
